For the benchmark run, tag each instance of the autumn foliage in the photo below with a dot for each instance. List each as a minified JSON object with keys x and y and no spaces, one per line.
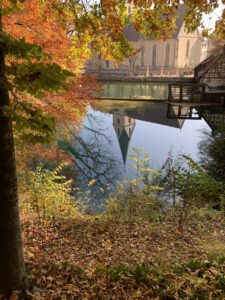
{"x":43,"y":24}
{"x":37,"y":24}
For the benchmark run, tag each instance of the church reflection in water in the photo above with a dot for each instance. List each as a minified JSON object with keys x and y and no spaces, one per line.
{"x":124,"y":120}
{"x":124,"y":127}
{"x":112,"y":127}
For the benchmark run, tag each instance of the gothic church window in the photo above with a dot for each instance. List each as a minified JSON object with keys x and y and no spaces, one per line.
{"x":167,"y":56}
{"x":188,"y":48}
{"x":142,"y":57}
{"x":154,"y":56}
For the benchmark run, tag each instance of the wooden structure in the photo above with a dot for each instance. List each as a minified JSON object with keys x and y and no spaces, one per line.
{"x":212,"y":70}
{"x":186,"y":92}
{"x":182,"y":112}
{"x":213,"y":119}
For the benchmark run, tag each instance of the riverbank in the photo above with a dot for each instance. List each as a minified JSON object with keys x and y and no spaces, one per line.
{"x":143,"y":100}
{"x":98,"y":258}
{"x":140,"y":79}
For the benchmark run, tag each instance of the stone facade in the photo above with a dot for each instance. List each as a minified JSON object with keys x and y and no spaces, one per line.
{"x":174,"y":56}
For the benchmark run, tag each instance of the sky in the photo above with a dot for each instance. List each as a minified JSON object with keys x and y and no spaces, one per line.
{"x":209,"y":20}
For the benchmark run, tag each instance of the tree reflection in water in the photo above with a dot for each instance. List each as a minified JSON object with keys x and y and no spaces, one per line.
{"x":212,"y":145}
{"x":96,"y":158}
{"x":98,"y":169}
{"x":212,"y":152}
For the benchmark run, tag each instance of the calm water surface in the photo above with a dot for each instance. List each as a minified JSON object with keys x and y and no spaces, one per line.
{"x":112,"y":128}
{"x":133,"y":90}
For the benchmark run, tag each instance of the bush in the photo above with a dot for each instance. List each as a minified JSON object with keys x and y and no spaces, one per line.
{"x":50,"y":193}
{"x":187,"y":185}
{"x":134,"y":198}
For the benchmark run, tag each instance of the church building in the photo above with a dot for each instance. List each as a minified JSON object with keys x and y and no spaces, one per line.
{"x":178,"y":55}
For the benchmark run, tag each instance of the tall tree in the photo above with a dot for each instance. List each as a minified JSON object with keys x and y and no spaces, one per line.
{"x":40,"y":43}
{"x":12,"y":275}
{"x":24,"y":68}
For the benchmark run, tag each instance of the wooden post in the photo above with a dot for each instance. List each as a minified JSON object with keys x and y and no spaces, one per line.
{"x":203,"y":93}
{"x":192,"y":95}
{"x":170,"y":92}
{"x":190,"y":112}
{"x":179,"y":111}
{"x":169,"y":110}
{"x":181,"y":93}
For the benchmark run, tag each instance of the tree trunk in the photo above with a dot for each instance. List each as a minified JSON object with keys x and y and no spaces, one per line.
{"x":12,"y":275}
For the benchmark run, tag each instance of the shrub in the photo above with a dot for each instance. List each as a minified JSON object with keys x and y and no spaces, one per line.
{"x":187,"y":185}
{"x":135,"y":196}
{"x":50,"y":193}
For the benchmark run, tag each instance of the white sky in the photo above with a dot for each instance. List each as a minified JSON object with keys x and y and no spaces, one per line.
{"x":209,"y":20}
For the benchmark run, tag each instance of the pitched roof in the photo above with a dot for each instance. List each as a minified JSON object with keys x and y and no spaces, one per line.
{"x":132,"y":35}
{"x":154,"y":113}
{"x":180,"y":20}
{"x":201,"y":69}
{"x":124,"y":141}
{"x":150,"y":112}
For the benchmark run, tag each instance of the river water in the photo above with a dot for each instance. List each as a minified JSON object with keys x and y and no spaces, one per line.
{"x":133,"y":90}
{"x":112,"y":129}
{"x":110,"y":133}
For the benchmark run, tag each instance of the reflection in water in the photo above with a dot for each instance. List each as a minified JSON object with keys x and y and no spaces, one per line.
{"x":212,"y":145}
{"x":131,"y":90}
{"x":175,"y":112}
{"x":182,"y":113}
{"x":94,"y":161}
{"x":171,"y":115}
{"x":109,"y":133}
{"x":214,"y":116}
{"x":124,"y":127}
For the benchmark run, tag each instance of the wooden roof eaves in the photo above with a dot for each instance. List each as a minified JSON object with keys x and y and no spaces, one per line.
{"x":212,"y":63}
{"x":211,"y":60}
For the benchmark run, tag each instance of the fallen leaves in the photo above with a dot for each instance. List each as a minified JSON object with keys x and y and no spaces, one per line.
{"x":62,"y":257}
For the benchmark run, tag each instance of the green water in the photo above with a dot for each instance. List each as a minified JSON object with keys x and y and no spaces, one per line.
{"x":134,"y":90}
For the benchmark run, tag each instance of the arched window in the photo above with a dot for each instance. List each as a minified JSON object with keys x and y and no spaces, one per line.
{"x":167,"y":55}
{"x":188,"y":48}
{"x":154,"y":56}
{"x":107,"y":64}
{"x":142,"y":57}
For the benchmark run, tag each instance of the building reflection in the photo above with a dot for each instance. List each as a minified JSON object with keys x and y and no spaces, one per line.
{"x":182,"y":113}
{"x":124,"y":127}
{"x":215,"y":117}
{"x":124,"y":120}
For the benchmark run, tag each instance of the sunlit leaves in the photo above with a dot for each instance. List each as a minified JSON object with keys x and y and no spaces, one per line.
{"x":35,"y":78}
{"x":19,"y":48}
{"x":50,"y":193}
{"x":30,"y":124}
